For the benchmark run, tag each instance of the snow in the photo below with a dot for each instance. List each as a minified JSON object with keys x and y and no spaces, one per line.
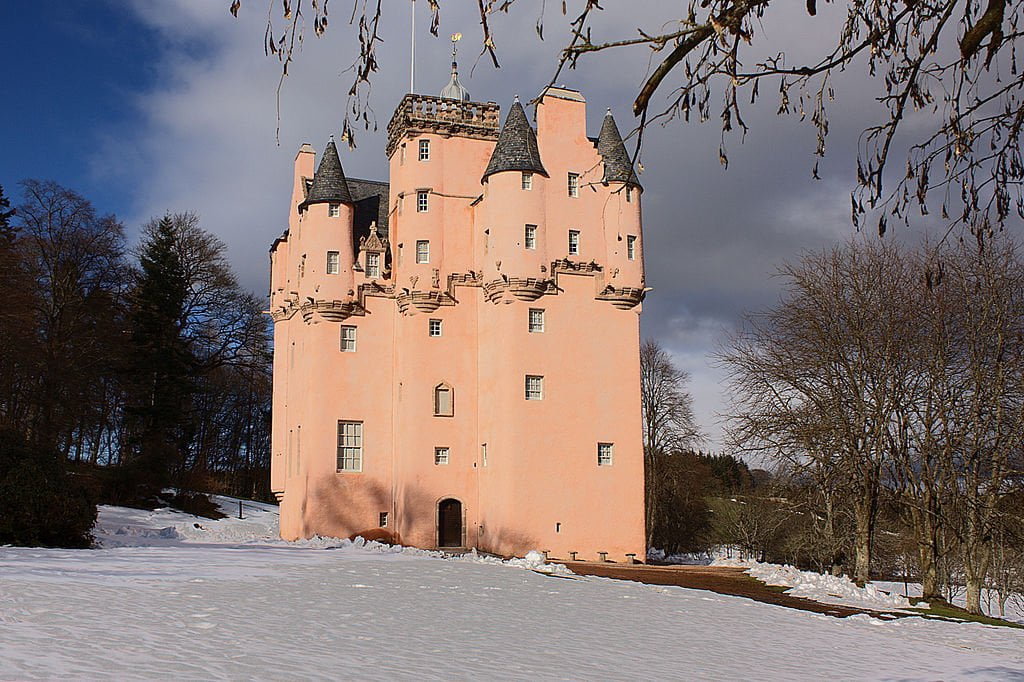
{"x":827,"y":589}
{"x":989,"y":603}
{"x":163,"y":598}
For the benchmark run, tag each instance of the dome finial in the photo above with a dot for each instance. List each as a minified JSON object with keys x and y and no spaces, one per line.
{"x":454,"y":89}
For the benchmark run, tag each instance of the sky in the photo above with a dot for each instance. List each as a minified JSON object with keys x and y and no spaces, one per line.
{"x":147,"y":107}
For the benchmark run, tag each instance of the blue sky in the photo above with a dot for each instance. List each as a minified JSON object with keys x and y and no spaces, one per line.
{"x":148,"y":106}
{"x":73,"y":69}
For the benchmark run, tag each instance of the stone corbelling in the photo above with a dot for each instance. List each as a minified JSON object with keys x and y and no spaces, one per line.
{"x":623,"y":298}
{"x":417,"y":114}
{"x":410,"y":302}
{"x":522,"y":288}
{"x":576,"y":267}
{"x":332,"y":311}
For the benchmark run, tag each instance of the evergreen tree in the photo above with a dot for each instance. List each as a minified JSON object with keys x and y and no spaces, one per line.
{"x":6,"y":229}
{"x":163,"y":363}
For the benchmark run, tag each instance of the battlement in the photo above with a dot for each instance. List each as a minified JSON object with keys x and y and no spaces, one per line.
{"x":427,"y":114}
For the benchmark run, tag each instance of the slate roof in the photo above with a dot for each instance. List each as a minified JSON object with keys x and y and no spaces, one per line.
{"x":329,"y":183}
{"x":516,"y":149}
{"x":370,"y":199}
{"x":617,"y":165}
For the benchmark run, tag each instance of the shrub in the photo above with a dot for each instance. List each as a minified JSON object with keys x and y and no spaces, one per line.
{"x":40,"y":505}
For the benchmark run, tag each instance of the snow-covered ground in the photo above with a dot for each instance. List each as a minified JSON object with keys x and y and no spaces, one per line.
{"x":165,"y":598}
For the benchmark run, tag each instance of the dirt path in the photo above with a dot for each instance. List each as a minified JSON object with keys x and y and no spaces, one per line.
{"x":719,"y":579}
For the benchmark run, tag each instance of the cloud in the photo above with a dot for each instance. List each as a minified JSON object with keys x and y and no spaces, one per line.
{"x":715,"y":235}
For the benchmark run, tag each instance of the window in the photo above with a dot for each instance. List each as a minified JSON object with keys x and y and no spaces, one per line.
{"x":527,"y":181}
{"x":534,"y":387}
{"x":604,"y":454}
{"x":574,"y":184}
{"x":631,"y":247}
{"x":373,"y":264}
{"x":333,"y":263}
{"x":483,"y":453}
{"x":530,"y":237}
{"x":536,"y":320}
{"x":440,"y":455}
{"x":401,"y":157}
{"x":574,"y":242}
{"x":421,"y":202}
{"x":629,"y":193}
{"x":423,"y":251}
{"x":348,"y":338}
{"x":434,"y":327}
{"x":334,"y":210}
{"x":444,"y":401}
{"x":383,"y":522}
{"x":424,"y":150}
{"x":350,"y":446}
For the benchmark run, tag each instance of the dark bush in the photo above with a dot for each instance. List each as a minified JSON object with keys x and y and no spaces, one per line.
{"x":40,"y":504}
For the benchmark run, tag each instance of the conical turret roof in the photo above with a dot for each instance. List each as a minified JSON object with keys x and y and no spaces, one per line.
{"x":517,"y":146}
{"x":329,"y":183}
{"x":617,"y":165}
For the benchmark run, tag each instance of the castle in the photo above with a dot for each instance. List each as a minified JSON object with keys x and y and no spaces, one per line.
{"x":456,"y":351}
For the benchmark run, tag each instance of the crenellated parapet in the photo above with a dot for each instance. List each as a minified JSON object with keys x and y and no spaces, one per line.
{"x":418,"y":114}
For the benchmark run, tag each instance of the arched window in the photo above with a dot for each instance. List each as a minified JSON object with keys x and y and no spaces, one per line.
{"x":444,"y":401}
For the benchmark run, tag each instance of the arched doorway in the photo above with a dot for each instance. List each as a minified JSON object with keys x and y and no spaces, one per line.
{"x":449,"y":523}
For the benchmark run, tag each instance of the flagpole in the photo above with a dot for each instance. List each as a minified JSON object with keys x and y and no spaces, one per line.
{"x":412,"y":51}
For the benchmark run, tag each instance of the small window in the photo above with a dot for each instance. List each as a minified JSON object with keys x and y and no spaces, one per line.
{"x":534,"y":387}
{"x":383,"y":521}
{"x":631,"y":247}
{"x":334,"y":210}
{"x":350,"y":446}
{"x":441,"y":455}
{"x":434,"y":327}
{"x":333,"y":263}
{"x":423,"y":251}
{"x":444,"y":401}
{"x":527,"y":181}
{"x":574,"y":242}
{"x":574,"y":184}
{"x":629,"y":193}
{"x":373,"y":264}
{"x":536,"y":320}
{"x":604,"y":454}
{"x":483,"y":454}
{"x":401,"y":158}
{"x":424,"y":150}
{"x":348,"y":338}
{"x":530,"y":237}
{"x":421,"y":202}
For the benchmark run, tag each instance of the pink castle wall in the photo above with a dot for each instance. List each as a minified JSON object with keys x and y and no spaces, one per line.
{"x":541,"y":487}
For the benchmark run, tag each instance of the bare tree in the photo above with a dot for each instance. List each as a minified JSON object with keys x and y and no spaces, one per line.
{"x":669,"y":423}
{"x":949,"y":64}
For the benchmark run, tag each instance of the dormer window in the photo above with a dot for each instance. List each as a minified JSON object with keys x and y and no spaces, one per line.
{"x":424,"y":150}
{"x":631,"y":247}
{"x":334,"y":210}
{"x":373,"y":264}
{"x":527,"y":181}
{"x":574,"y":184}
{"x":421,"y":202}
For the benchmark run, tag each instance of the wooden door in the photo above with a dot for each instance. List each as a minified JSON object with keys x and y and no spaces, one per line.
{"x":449,"y":523}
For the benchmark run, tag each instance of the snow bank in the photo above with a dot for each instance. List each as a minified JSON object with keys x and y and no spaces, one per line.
{"x":827,"y":589}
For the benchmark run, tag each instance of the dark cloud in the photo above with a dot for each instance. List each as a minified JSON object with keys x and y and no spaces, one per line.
{"x":714,"y":236}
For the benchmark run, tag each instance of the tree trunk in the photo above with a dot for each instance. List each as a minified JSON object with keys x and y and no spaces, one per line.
{"x":973,"y":596}
{"x":864,"y":511}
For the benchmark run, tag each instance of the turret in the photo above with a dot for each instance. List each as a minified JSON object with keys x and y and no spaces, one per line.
{"x":324,"y":247}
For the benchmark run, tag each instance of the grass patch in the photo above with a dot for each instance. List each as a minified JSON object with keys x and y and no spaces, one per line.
{"x":942,"y":610}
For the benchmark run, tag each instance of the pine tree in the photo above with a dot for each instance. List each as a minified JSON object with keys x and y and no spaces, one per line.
{"x":163,"y":364}
{"x":6,"y":229}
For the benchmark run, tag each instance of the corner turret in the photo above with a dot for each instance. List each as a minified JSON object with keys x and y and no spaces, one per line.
{"x":517,"y":146}
{"x":617,"y":164}
{"x":329,"y":184}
